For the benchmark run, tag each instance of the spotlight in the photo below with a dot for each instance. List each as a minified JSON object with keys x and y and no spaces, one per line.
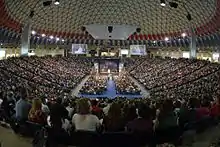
{"x":51,"y":37}
{"x":43,"y":35}
{"x":183,"y":35}
{"x":162,"y":3}
{"x":57,"y":2}
{"x":57,"y":39}
{"x":166,"y":39}
{"x":33,"y":32}
{"x":63,"y":40}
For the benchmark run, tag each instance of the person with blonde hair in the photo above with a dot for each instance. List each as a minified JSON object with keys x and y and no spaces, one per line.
{"x":36,"y":114}
{"x":83,"y":119}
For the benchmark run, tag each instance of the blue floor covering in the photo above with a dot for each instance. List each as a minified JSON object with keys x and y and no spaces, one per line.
{"x":110,"y":92}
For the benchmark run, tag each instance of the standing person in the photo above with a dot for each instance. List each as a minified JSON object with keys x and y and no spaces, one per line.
{"x":22,"y":106}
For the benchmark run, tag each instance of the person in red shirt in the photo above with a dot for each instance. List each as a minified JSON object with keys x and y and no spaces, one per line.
{"x":203,"y":110}
{"x":215,"y":108}
{"x":36,"y":114}
{"x":96,"y":110}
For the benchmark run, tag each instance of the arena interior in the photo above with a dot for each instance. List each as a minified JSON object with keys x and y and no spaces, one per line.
{"x":107,"y":73}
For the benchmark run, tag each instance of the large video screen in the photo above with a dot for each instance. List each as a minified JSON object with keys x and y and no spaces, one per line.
{"x":138,"y":49}
{"x":79,"y":48}
{"x":124,"y":51}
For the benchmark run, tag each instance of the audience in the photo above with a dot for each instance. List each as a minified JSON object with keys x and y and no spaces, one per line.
{"x":22,"y":106}
{"x":36,"y":114}
{"x":144,"y":121}
{"x":126,"y":86}
{"x":106,"y":109}
{"x":94,"y":86}
{"x":182,"y":92}
{"x":83,"y":119}
{"x":58,"y":114}
{"x":113,"y":122}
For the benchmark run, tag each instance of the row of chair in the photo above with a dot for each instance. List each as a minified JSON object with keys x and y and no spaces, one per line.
{"x":84,"y":138}
{"x":107,"y":139}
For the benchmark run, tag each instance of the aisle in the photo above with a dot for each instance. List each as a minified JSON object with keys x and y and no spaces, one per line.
{"x":75,"y":91}
{"x":111,"y":89}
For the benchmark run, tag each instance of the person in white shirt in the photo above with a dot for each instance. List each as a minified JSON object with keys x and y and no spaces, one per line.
{"x":106,"y":109}
{"x":70,"y":110}
{"x":44,"y":107}
{"x":83,"y":120}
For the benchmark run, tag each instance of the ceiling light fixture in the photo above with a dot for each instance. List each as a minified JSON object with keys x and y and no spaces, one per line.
{"x":43,"y":35}
{"x":162,"y":3}
{"x":183,"y":35}
{"x":57,"y":2}
{"x":58,"y":39}
{"x":33,"y":32}
{"x":166,"y":39}
{"x":51,"y":37}
{"x":63,"y":40}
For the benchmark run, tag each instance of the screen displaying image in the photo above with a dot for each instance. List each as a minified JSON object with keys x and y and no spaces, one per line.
{"x":124,"y":51}
{"x":138,"y":49}
{"x":79,"y":48}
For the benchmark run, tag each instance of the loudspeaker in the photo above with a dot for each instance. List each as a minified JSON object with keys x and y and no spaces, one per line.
{"x":47,"y":3}
{"x":173,"y":4}
{"x":110,"y":29}
{"x":83,"y":28}
{"x":189,"y":17}
{"x":138,"y":30}
{"x":31,"y":14}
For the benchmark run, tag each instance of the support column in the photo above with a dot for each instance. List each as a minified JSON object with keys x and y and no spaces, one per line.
{"x":25,"y":38}
{"x":193,"y":52}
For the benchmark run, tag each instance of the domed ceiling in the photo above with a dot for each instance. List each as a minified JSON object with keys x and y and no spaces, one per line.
{"x":156,"y":22}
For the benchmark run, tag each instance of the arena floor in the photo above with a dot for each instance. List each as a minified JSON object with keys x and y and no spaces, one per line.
{"x":111,"y":92}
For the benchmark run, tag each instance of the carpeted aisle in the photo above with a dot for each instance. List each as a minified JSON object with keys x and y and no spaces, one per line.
{"x":111,"y":89}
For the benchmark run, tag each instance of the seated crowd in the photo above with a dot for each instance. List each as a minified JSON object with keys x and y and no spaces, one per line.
{"x":45,"y":77}
{"x":94,"y":85}
{"x":126,"y":86}
{"x":106,"y":115}
{"x":183,"y":93}
{"x":178,"y":78}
